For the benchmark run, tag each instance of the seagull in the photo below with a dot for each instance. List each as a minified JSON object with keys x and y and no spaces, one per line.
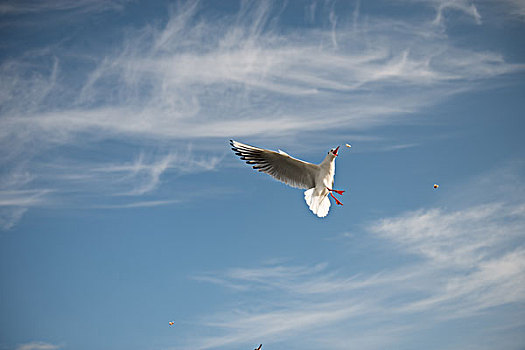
{"x":318,"y":180}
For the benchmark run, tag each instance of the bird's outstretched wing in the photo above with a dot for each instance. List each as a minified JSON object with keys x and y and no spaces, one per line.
{"x":281,"y":166}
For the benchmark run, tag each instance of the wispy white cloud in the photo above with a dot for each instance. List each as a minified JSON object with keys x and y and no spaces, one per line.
{"x":446,"y":238}
{"x":141,"y":204}
{"x":248,"y":326}
{"x":516,"y":8}
{"x":399,"y":147}
{"x":483,"y":245}
{"x":148,"y":175}
{"x":465,"y":6}
{"x":16,"y":197}
{"x":185,"y":81}
{"x":355,"y":15}
{"x":144,"y":176}
{"x":22,"y":197}
{"x":9,"y":216}
{"x":332,"y":17}
{"x":14,"y":203}
{"x":105,"y":180}
{"x":81,"y":6}
{"x":38,"y":346}
{"x":300,"y":280}
{"x":475,"y":10}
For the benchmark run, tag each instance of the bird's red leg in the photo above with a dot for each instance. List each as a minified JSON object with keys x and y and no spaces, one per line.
{"x":336,"y":200}
{"x":336,"y":191}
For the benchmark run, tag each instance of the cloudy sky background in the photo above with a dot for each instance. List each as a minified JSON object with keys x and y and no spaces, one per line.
{"x":122,"y":207}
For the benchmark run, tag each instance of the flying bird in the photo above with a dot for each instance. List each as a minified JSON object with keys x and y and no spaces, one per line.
{"x":171,"y":323}
{"x":318,"y":180}
{"x":259,"y":348}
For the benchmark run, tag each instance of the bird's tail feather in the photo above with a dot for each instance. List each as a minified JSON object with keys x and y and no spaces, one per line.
{"x":318,"y":204}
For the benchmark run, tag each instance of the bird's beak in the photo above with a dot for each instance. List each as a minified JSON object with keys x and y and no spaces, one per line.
{"x":335,"y":152}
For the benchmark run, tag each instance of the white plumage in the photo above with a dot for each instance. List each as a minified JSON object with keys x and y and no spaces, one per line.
{"x":318,"y":180}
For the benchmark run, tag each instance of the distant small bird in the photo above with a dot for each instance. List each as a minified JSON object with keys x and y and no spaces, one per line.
{"x":436,"y":186}
{"x":259,"y":348}
{"x":171,"y":323}
{"x":348,"y":145}
{"x":317,"y":179}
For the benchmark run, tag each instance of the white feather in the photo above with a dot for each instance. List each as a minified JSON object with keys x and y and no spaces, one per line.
{"x":318,"y":202}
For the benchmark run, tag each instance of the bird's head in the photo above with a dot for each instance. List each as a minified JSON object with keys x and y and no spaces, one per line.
{"x":334,"y":151}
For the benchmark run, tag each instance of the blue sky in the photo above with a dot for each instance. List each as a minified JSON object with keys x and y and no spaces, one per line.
{"x":122,"y":207}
